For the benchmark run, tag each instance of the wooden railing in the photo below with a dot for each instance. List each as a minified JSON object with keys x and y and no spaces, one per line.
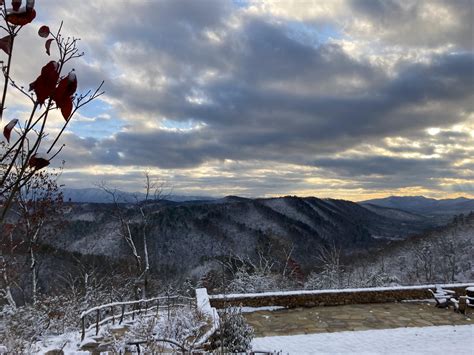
{"x":117,"y":312}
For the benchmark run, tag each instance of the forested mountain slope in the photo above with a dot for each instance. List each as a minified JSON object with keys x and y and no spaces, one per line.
{"x":186,"y":236}
{"x":444,"y":254}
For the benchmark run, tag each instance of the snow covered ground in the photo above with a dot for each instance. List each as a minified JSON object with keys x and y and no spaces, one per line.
{"x":427,"y":340}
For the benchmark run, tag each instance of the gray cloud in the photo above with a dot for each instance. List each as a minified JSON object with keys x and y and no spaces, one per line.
{"x":261,"y":94}
{"x":419,"y":23}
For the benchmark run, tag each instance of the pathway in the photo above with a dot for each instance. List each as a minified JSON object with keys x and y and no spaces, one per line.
{"x":352,"y":317}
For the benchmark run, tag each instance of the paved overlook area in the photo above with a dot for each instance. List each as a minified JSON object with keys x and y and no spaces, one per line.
{"x":352,"y":317}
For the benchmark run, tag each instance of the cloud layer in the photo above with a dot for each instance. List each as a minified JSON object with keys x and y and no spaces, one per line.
{"x":342,"y":98}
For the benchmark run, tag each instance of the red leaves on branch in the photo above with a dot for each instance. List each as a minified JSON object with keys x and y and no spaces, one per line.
{"x":43,"y":31}
{"x":47,"y":45}
{"x":6,"y":44}
{"x":21,"y":18}
{"x":63,"y":94}
{"x":45,"y":84}
{"x":38,"y":162}
{"x":8,"y":129}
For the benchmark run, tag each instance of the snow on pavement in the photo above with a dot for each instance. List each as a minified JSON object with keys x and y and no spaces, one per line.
{"x":426,"y":340}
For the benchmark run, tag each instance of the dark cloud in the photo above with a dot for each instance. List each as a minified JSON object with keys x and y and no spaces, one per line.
{"x":418,"y":23}
{"x":269,"y":125}
{"x":259,"y":93}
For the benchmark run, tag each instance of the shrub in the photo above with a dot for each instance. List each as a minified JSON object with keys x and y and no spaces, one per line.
{"x":234,"y":334}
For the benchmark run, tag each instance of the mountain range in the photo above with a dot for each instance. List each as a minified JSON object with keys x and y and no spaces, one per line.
{"x":417,"y":205}
{"x":188,"y":237}
{"x":98,"y":195}
{"x":424,"y":206}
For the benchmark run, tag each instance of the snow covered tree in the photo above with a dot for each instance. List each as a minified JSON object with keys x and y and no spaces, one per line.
{"x":133,"y":229}
{"x":425,"y":262}
{"x":332,"y":272}
{"x":8,"y":264}
{"x":234,"y":334}
{"x":37,"y":209}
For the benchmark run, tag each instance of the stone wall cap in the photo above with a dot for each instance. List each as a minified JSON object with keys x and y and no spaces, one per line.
{"x":347,"y":290}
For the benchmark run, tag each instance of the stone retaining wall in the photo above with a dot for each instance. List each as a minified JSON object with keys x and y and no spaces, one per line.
{"x":293,"y":299}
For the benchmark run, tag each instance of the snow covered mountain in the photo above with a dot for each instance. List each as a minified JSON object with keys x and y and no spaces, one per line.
{"x":184,"y":236}
{"x":425,"y":206}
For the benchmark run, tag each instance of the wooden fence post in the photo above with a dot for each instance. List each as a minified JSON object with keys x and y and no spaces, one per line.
{"x":168,"y":304}
{"x":123,"y":313}
{"x":83,"y":326}
{"x":97,"y":322}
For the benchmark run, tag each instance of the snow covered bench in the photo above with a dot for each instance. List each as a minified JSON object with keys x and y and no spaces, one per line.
{"x":444,"y":297}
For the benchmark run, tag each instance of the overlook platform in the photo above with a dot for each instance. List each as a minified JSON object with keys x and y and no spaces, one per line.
{"x":354,"y":317}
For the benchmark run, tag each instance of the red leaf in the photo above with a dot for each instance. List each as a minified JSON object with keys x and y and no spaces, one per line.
{"x":51,"y":70}
{"x":6,"y":44}
{"x":72,"y":83}
{"x":63,"y":94}
{"x":45,"y":84}
{"x":66,"y":88}
{"x":16,"y":4}
{"x":43,"y":31}
{"x":48,"y":45}
{"x":61,"y":91}
{"x":66,"y":107}
{"x":38,"y":162}
{"x":8,"y":129}
{"x":21,"y":19}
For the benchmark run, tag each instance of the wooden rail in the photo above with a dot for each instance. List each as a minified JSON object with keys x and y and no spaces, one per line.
{"x":107,"y":313}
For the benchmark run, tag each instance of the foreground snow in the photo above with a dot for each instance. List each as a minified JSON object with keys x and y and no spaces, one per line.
{"x":68,"y":342}
{"x":427,"y":340}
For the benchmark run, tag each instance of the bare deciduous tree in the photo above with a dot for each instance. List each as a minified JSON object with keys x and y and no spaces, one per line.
{"x":37,"y":208}
{"x":154,"y":191}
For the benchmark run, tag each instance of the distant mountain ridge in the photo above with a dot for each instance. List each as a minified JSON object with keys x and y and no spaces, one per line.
{"x":97,"y":195}
{"x":392,"y":206}
{"x":428,"y":207}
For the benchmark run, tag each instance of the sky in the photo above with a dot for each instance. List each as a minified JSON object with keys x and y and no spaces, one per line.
{"x":351,"y":99}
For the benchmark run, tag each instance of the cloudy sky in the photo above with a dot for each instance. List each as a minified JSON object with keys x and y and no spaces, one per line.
{"x":338,"y":98}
